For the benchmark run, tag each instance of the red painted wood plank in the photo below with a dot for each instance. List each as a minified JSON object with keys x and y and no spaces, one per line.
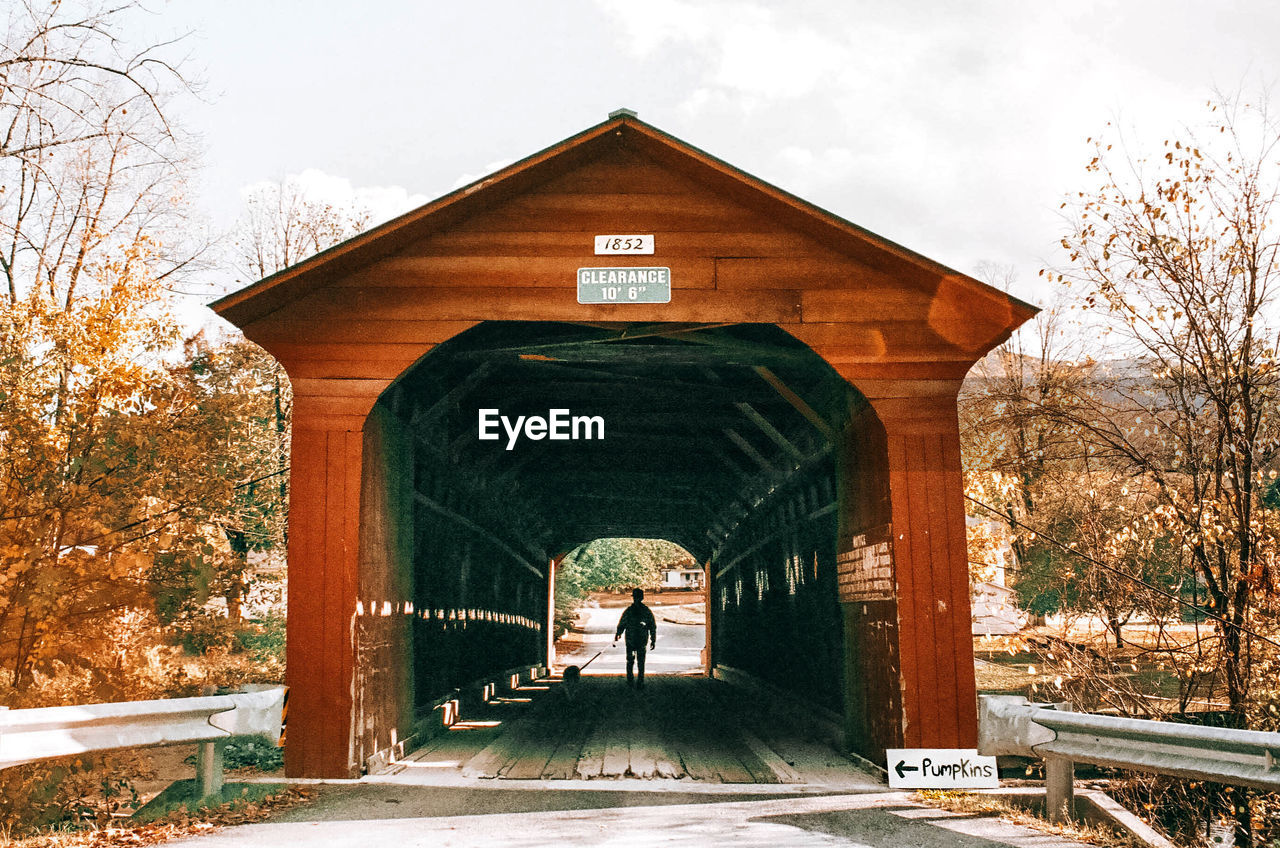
{"x":854,"y":284}
{"x":765,"y":242}
{"x":520,"y":271}
{"x":925,"y":630}
{"x":280,"y":330}
{"x":618,"y":213}
{"x":903,"y":553}
{"x":335,"y":641}
{"x":622,"y":174}
{"x":358,"y":351}
{"x":961,"y":599}
{"x":941,"y":564}
{"x":353,"y":447}
{"x":333,"y":306}
{"x":384,"y":370}
{"x":338,"y":387}
{"x":305,"y":619}
{"x":356,"y":408}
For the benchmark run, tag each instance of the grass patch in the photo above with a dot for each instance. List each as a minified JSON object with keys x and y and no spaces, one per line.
{"x":176,"y":824}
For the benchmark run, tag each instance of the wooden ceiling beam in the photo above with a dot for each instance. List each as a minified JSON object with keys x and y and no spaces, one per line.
{"x":792,"y":397}
{"x":750,"y":450}
{"x":772,"y":432}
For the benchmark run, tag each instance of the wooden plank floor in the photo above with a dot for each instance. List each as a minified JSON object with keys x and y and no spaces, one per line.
{"x":675,"y":728}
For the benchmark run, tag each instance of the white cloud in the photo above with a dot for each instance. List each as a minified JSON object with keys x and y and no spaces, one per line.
{"x":747,"y":50}
{"x":651,"y":25}
{"x":469,"y":178}
{"x":829,"y":164}
{"x":381,"y":202}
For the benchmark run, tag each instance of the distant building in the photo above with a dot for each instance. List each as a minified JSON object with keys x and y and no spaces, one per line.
{"x":995,"y":610}
{"x":682,"y":578}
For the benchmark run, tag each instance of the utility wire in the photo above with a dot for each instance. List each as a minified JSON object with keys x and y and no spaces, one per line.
{"x":172,"y":510}
{"x":1164,"y":592}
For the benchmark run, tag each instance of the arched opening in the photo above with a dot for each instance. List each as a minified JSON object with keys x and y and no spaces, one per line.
{"x":594,"y":585}
{"x":513,"y":443}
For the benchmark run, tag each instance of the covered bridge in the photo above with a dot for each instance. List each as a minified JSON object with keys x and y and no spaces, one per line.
{"x":781,"y":401}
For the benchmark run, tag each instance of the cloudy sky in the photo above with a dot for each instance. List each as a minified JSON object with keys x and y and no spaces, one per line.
{"x":953,"y":128}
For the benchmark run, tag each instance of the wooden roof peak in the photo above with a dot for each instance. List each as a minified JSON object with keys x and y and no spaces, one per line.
{"x":622,"y":127}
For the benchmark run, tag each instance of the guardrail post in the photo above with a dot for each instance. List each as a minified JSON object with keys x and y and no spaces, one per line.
{"x":1059,"y":780}
{"x":209,"y":761}
{"x":1059,"y":788}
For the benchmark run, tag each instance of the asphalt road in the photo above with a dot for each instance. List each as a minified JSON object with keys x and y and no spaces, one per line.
{"x":414,"y":817}
{"x":679,"y":646}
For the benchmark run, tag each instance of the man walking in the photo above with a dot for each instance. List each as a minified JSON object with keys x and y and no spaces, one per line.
{"x":637,"y":622}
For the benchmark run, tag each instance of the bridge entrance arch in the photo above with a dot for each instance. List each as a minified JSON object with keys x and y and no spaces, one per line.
{"x":788,"y":415}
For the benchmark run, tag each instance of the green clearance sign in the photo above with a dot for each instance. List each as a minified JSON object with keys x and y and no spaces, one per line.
{"x":624,"y":285}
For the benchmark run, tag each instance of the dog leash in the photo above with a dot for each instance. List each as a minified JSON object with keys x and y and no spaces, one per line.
{"x":598,"y":653}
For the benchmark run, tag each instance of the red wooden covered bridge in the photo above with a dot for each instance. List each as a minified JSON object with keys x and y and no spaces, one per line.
{"x":781,"y":401}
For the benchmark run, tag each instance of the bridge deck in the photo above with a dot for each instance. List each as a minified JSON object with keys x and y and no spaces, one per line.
{"x":678,"y":727}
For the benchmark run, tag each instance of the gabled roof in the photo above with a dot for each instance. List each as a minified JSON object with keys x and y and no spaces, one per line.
{"x":622,"y":128}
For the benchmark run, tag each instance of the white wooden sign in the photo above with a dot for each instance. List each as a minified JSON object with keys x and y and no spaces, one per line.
{"x":941,"y":768}
{"x":618,"y":245}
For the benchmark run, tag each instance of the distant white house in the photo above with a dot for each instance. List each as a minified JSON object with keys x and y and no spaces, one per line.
{"x":682,"y":578}
{"x":995,"y":610}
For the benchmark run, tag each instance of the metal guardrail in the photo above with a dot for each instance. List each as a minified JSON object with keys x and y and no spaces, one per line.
{"x":1012,"y":725}
{"x":43,"y":733}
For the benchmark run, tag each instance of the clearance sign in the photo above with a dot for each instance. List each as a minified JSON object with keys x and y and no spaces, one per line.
{"x":624,"y":285}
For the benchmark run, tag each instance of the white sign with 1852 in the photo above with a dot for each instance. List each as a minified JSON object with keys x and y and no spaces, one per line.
{"x":941,"y":768}
{"x":618,"y":245}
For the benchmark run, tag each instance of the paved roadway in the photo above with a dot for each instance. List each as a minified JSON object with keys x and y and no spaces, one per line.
{"x":679,"y":646}
{"x":417,"y":817}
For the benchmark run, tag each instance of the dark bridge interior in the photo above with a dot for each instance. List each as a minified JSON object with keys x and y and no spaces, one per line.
{"x":729,"y":440}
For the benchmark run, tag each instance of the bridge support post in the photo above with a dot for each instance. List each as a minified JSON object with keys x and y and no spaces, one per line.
{"x":930,"y":564}
{"x":324,"y":510}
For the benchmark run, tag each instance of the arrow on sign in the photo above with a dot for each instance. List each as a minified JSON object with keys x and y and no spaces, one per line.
{"x":902,"y":768}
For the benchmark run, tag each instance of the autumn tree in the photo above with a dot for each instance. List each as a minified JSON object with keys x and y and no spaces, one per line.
{"x":83,"y":435}
{"x":90,"y":164}
{"x":282,"y":224}
{"x":1174,"y":259}
{"x":91,"y":174}
{"x":1087,"y":542}
{"x":236,"y":403}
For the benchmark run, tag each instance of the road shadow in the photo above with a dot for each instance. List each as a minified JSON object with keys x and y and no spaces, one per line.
{"x":915,"y":827}
{"x":367,"y":803}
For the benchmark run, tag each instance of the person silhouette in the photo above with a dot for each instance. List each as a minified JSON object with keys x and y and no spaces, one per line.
{"x":638,"y":625}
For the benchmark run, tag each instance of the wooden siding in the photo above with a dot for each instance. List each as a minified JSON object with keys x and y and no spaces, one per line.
{"x":324,"y":510}
{"x":384,"y":632}
{"x":872,"y":667}
{"x":730,"y":263}
{"x":932,"y":572}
